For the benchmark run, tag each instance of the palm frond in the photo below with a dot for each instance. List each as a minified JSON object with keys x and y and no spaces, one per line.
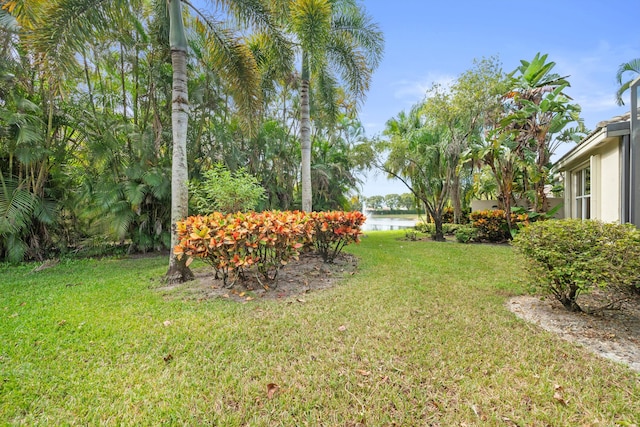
{"x":16,"y":206}
{"x":70,"y":23}
{"x":159,"y":184}
{"x":632,"y":67}
{"x":352,"y":66}
{"x":325,"y":89}
{"x":8,"y":22}
{"x":352,"y":23}
{"x":16,"y":249}
{"x":236,"y":65}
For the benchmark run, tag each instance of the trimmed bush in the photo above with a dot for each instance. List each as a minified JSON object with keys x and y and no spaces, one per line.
{"x":491,"y":225}
{"x":232,"y":243}
{"x":334,"y":230}
{"x":466,"y":234}
{"x":430,"y":228}
{"x":448,"y":215}
{"x":567,"y":257}
{"x":267,"y":240}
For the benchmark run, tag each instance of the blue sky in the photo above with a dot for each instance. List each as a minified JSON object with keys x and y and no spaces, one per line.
{"x":435,"y":41}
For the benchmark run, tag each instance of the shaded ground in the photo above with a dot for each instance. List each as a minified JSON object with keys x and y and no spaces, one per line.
{"x":614,"y":334}
{"x":295,"y":279}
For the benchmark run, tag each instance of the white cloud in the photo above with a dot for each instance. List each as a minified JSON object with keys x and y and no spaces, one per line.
{"x":592,"y":77}
{"x":415,"y":90}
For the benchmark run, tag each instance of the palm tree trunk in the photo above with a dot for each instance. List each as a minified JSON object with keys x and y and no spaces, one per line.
{"x":305,"y":145}
{"x":456,"y":198}
{"x":178,"y":271}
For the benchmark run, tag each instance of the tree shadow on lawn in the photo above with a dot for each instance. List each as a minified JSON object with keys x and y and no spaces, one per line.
{"x":307,"y":274}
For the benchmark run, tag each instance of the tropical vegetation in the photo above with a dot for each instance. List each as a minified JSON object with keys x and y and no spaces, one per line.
{"x":107,"y":108}
{"x":489,"y":134}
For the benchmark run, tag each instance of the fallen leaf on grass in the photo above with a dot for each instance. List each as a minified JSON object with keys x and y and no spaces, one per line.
{"x":300,"y":300}
{"x":248,"y":298}
{"x":476,"y":410}
{"x":509,"y":421}
{"x":558,"y":395}
{"x":342,"y":328}
{"x":272,"y":388}
{"x":363,"y":372}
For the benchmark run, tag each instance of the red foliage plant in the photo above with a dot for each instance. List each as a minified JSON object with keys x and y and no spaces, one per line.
{"x":232,"y":243}
{"x":334,"y":230}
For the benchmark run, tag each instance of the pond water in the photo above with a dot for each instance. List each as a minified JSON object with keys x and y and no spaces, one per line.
{"x":387,"y":223}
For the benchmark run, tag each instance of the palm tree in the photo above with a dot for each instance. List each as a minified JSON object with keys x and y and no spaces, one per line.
{"x":331,"y":35}
{"x":72,"y":22}
{"x":463,"y":110}
{"x":538,"y":109}
{"x":632,"y":67}
{"x":418,"y":158}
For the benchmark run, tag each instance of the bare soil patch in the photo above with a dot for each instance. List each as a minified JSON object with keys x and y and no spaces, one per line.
{"x":307,"y":274}
{"x":614,"y":334}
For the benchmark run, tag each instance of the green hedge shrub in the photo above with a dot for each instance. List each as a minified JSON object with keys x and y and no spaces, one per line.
{"x":567,"y":257}
{"x":430,"y":228}
{"x":466,"y":234}
{"x":448,"y":215}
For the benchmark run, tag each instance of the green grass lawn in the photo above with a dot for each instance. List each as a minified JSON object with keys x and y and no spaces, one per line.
{"x":419,"y":336}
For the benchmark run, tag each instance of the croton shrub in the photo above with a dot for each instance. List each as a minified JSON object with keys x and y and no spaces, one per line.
{"x":491,"y":225}
{"x":267,"y":240}
{"x":334,"y":230}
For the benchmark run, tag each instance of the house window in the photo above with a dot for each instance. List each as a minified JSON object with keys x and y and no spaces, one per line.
{"x":583,"y":193}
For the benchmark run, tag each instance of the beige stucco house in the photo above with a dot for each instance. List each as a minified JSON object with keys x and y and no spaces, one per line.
{"x":598,"y":177}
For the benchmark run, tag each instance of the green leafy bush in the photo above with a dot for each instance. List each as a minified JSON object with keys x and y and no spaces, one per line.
{"x":448,"y":215}
{"x":430,"y":228}
{"x":567,"y":257}
{"x":224,"y":191}
{"x":466,"y":234}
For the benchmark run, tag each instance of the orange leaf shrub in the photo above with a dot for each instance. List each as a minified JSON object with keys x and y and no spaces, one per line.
{"x":267,"y":240}
{"x":232,"y":243}
{"x":334,"y":230}
{"x":491,"y":225}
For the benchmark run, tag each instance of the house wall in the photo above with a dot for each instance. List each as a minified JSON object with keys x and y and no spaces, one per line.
{"x":483,"y":205}
{"x":604,"y":161}
{"x":609,"y":185}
